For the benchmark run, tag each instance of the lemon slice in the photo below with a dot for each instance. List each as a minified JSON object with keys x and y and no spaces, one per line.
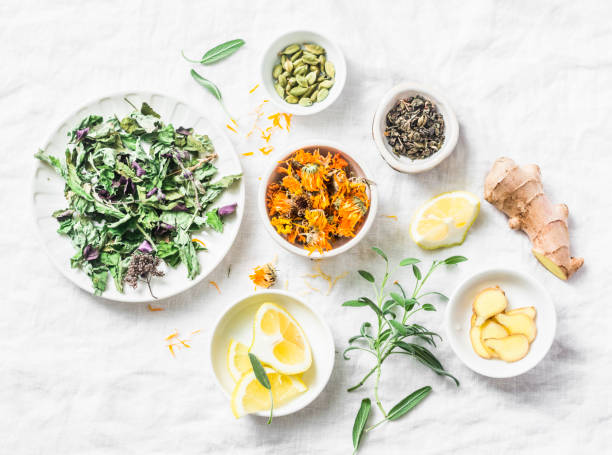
{"x":250,"y":396}
{"x":444,"y":220}
{"x":279,"y":341}
{"x":238,"y":362}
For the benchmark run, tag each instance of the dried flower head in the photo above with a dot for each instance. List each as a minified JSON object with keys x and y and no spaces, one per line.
{"x":264,"y":275}
{"x":143,"y":266}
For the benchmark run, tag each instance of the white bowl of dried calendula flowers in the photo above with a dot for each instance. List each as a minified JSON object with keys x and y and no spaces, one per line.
{"x":303,"y":72}
{"x":414,"y":128}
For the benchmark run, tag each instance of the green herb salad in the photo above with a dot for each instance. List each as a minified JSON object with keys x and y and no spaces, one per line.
{"x":136,"y":190}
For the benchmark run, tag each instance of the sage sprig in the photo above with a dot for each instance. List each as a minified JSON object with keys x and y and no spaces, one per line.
{"x":392,"y":334}
{"x":212,"y":88}
{"x":262,"y":377}
{"x":218,"y":53}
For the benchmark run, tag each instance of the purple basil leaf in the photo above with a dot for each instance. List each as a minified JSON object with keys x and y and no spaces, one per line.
{"x":145,"y":247}
{"x":139,"y":170}
{"x":227,"y":209}
{"x":152,"y":192}
{"x":180,"y":207}
{"x":163,"y":228}
{"x":183,"y":131}
{"x":64,"y":215}
{"x":80,"y":134}
{"x":90,"y":253}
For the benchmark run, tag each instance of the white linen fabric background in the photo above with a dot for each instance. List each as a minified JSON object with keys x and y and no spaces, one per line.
{"x":530,"y":80}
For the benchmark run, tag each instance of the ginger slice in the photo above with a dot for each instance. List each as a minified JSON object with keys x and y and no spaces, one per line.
{"x":510,"y":348}
{"x":517,"y":191}
{"x":491,"y":329}
{"x":526,"y":310}
{"x":477,"y":344}
{"x":488,"y":303}
{"x":518,"y":324}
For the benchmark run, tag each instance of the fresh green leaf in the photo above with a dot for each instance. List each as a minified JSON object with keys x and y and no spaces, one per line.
{"x":409,"y":261}
{"x":416,"y":271}
{"x":355,"y":303}
{"x":366,"y":275}
{"x":212,"y":88}
{"x":439,"y":294}
{"x":218,"y":53}
{"x":371,"y":304}
{"x":398,"y":327}
{"x":360,"y":421}
{"x":262,"y":378}
{"x":455,"y":260}
{"x":424,"y":355}
{"x":380,"y":253}
{"x":388,"y":305}
{"x":398,"y":298}
{"x":428,"y":307}
{"x":408,"y":403}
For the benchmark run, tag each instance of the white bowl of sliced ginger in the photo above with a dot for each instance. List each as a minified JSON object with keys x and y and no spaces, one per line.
{"x":519,"y":299}
{"x":290,"y":339}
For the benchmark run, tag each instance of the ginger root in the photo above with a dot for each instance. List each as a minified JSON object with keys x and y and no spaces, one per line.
{"x":517,"y":191}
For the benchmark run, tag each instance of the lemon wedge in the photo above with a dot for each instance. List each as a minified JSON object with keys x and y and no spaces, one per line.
{"x":279,"y":341}
{"x":250,"y":396}
{"x":238,"y":362}
{"x":444,"y":220}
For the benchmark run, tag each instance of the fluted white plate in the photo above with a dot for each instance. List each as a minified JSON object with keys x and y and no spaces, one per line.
{"x":48,"y":196}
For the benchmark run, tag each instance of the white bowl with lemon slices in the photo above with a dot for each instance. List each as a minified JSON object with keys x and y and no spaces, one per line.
{"x":291,"y":340}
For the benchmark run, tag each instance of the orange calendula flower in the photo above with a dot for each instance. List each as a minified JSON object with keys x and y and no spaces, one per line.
{"x":264,"y":276}
{"x":316,"y":199}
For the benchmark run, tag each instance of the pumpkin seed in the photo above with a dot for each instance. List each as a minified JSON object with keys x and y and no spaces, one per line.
{"x":306,"y":102}
{"x":330,"y":69}
{"x":277,"y":71}
{"x":322,"y":94}
{"x":280,"y":90}
{"x":302,"y":81}
{"x":314,"y":49}
{"x":298,"y":91}
{"x":291,"y":49}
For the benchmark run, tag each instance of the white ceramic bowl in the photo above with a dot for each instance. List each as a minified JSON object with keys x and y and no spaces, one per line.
{"x":402,"y":163}
{"x":270,"y":58}
{"x":236,"y":322}
{"x":521,"y":290}
{"x":360,"y":170}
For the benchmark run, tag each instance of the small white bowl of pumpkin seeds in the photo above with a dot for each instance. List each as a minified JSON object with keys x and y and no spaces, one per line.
{"x":303,"y":72}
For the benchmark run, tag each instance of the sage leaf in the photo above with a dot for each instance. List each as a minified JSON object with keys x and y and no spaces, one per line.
{"x":360,"y":421}
{"x":428,"y":307}
{"x":416,"y":271}
{"x":398,"y":298}
{"x":217,"y":53}
{"x":366,"y":275}
{"x":262,"y":377}
{"x":398,"y":327}
{"x":455,"y":259}
{"x":212,"y":88}
{"x":371,"y":304}
{"x":388,"y":305}
{"x":409,"y":261}
{"x":424,"y":355}
{"x":380,"y":253}
{"x":354,"y":303}
{"x":439,"y":294}
{"x":408,"y":403}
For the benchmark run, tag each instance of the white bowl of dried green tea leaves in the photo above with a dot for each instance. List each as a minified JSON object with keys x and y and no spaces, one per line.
{"x":136,"y":189}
